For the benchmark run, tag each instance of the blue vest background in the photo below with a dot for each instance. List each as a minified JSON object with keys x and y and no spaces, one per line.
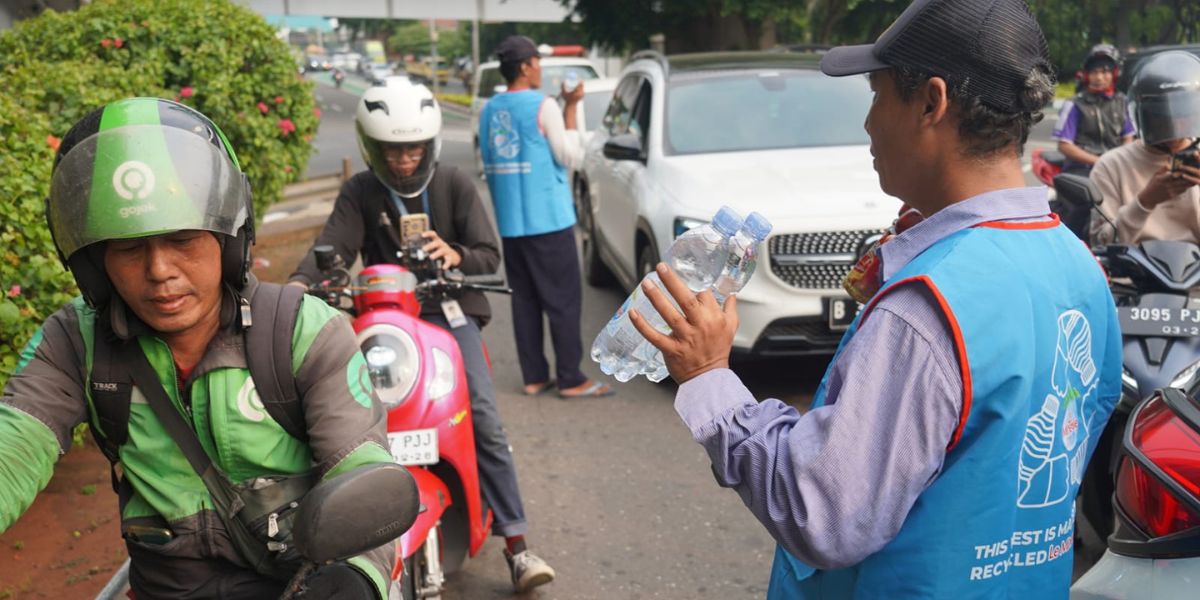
{"x":1044,"y":361}
{"x":531,"y":192}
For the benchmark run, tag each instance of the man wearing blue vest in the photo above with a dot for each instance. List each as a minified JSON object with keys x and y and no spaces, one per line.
{"x":528,"y":150}
{"x":945,"y":445}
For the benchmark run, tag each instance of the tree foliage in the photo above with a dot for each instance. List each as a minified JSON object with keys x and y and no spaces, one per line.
{"x":1071,"y":26}
{"x":218,"y":57}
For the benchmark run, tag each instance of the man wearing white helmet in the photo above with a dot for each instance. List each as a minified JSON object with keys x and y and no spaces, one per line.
{"x":398,"y":126}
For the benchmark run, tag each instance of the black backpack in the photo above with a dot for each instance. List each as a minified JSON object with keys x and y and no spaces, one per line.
{"x":272,"y":308}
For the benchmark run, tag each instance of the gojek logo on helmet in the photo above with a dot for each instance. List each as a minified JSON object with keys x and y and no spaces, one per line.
{"x":134,"y":180}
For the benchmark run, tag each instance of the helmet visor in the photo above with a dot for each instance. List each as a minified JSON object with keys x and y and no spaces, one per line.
{"x":142,"y":180}
{"x":1172,"y":116}
{"x":405,"y":167}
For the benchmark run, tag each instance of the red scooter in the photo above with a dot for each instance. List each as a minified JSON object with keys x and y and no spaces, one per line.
{"x":417,"y":370}
{"x":1045,"y":164}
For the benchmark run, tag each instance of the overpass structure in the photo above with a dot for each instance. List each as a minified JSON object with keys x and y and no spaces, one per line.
{"x":535,"y":11}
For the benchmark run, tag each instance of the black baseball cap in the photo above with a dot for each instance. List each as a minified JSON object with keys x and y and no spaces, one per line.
{"x":516,"y":48}
{"x":989,"y":46}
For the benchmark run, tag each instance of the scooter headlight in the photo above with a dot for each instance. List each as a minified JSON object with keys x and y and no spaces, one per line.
{"x":392,"y":361}
{"x":441,"y":383}
{"x":1184,"y":378}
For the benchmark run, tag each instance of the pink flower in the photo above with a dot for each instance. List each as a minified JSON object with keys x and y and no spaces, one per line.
{"x":53,"y":142}
{"x":278,"y":99}
{"x":118,"y":42}
{"x":107,"y":43}
{"x":317,"y":113}
{"x":262,"y":108}
{"x":286,"y":126}
{"x":14,"y":291}
{"x":186,"y":91}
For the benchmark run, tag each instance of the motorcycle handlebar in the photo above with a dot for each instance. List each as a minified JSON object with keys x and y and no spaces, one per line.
{"x":494,"y":279}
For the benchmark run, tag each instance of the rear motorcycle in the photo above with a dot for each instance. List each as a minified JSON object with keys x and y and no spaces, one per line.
{"x":1046,"y":164}
{"x":1159,"y":318}
{"x":417,"y":370}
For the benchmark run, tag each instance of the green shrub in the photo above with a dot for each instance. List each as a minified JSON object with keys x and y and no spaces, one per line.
{"x":218,"y":57}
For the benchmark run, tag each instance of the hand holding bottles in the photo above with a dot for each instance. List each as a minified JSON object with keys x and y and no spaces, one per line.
{"x":701,"y":335}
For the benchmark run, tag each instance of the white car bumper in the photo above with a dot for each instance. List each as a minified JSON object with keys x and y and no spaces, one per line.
{"x":1117,"y":577}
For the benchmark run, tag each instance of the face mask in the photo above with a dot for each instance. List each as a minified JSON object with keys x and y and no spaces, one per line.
{"x":865,"y":277}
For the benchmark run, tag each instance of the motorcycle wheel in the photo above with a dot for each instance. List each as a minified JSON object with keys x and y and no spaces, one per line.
{"x":424,"y":561}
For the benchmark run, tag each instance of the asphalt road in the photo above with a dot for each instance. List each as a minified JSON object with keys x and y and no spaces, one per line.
{"x":620,"y":500}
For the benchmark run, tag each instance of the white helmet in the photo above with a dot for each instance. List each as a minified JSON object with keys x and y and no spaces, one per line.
{"x":399,"y":112}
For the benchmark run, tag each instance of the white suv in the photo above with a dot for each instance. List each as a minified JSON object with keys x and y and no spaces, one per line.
{"x":489,"y":82}
{"x":759,"y":131}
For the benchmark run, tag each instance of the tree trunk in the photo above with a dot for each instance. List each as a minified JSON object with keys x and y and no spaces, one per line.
{"x":767,"y":37}
{"x":1125,"y":10}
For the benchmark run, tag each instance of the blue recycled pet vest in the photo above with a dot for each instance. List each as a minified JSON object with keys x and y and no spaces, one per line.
{"x":531,"y":191}
{"x":1039,"y":347}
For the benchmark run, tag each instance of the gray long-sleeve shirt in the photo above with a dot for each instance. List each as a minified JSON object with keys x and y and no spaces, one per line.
{"x":834,"y":485}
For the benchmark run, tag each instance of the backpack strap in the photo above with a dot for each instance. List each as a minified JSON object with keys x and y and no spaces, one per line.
{"x":269,"y":357}
{"x":273,"y":310}
{"x":110,"y":385}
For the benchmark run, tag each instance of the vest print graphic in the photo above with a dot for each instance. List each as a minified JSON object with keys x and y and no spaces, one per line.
{"x":504,"y":139}
{"x":1054,"y":451}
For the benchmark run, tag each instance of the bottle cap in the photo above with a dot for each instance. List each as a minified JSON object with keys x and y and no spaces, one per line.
{"x":757,"y":226}
{"x":727,"y":221}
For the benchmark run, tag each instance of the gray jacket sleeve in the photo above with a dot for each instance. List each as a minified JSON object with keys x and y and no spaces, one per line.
{"x":48,"y":383}
{"x":835,"y":485}
{"x":475,"y":237}
{"x":347,"y":425}
{"x":344,"y":230}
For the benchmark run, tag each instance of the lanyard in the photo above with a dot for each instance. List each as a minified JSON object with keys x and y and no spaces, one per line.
{"x":404,"y":210}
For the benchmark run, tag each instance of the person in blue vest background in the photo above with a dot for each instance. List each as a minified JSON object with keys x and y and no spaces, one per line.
{"x":945,"y":445}
{"x":528,"y":149}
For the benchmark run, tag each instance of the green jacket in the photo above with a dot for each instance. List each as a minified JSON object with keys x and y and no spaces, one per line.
{"x":50,"y":394}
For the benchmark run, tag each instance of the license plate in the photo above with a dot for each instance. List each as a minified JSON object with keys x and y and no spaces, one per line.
{"x":840,"y":312}
{"x":416,"y":447}
{"x":1159,"y":322}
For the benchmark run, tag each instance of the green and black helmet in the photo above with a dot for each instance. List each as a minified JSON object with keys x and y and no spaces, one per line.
{"x":141,"y":167}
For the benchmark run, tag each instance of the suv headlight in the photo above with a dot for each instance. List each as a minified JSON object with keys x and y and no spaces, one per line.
{"x":682,"y":224}
{"x":392,"y":361}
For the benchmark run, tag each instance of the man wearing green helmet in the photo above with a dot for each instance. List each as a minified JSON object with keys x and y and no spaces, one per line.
{"x":150,"y":211}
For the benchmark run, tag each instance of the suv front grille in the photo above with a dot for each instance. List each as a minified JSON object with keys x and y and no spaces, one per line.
{"x":816,"y":260}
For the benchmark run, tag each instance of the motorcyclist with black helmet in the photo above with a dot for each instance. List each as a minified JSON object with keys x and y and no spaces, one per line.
{"x":151,"y":212}
{"x":399,"y":125}
{"x":1150,"y":188}
{"x":1097,"y":119}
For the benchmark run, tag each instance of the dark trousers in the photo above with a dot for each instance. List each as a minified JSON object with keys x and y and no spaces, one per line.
{"x":543,"y":271}
{"x":497,"y":474}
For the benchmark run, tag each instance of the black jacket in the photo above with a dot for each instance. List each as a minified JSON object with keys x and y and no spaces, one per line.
{"x":365,"y":221}
{"x":1101,"y":119}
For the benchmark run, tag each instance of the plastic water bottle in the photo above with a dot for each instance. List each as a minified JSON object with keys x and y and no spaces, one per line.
{"x":739,"y":265}
{"x":697,"y":256}
{"x":571,"y":81}
{"x":742,"y":258}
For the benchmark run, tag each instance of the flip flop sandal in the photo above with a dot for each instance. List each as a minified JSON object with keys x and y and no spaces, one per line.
{"x":545,"y":387}
{"x":596,"y":390}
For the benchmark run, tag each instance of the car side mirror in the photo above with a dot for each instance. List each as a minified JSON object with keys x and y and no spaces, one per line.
{"x":626,"y":146}
{"x":354,"y":512}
